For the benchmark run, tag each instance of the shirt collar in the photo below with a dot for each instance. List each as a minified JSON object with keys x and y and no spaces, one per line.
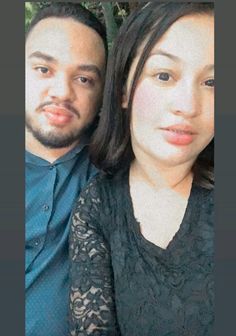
{"x":36,"y":160}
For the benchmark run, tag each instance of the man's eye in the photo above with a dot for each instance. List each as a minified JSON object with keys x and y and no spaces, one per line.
{"x":84,"y":80}
{"x":42,"y":70}
{"x":164,"y":76}
{"x":210,"y":82}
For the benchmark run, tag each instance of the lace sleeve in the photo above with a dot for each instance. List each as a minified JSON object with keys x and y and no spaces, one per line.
{"x":92,"y":307}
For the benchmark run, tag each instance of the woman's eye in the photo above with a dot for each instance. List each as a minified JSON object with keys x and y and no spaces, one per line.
{"x":210,"y":82}
{"x":164,"y":76}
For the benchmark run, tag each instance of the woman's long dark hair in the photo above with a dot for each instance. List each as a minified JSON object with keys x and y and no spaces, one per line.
{"x":111,"y":149}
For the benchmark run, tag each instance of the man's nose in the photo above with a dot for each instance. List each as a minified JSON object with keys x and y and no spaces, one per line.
{"x":61,"y":88}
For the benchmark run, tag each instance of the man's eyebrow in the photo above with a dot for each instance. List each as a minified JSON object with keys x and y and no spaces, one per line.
{"x":45,"y":57}
{"x":90,"y":68}
{"x":82,"y":67}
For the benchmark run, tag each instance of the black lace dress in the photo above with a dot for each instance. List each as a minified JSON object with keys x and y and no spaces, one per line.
{"x":122,"y":284}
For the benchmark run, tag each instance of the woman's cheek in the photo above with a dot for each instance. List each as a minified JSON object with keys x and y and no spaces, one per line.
{"x":145,"y":101}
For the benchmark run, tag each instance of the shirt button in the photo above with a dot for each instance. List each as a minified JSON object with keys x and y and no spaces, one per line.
{"x":36,"y":242}
{"x":45,"y":207}
{"x":51,"y":167}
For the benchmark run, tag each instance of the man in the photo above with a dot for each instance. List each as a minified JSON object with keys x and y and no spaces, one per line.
{"x":65,"y":66}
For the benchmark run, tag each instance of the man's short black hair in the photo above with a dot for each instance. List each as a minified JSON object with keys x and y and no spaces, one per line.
{"x":70,"y":10}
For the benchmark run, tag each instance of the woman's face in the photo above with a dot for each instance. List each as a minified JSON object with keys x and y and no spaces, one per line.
{"x":172,"y":118}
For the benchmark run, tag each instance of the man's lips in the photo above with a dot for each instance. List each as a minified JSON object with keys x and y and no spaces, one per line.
{"x":57,"y":115}
{"x":58,"y":110}
{"x":179,"y":134}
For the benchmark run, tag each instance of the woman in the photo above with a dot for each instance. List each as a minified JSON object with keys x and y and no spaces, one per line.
{"x":142,"y":232}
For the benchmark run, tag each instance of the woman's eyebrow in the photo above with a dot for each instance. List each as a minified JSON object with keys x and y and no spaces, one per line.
{"x":160,"y":52}
{"x":209,"y":67}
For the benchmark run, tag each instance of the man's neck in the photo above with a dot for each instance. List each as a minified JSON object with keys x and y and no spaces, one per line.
{"x":49,"y":154}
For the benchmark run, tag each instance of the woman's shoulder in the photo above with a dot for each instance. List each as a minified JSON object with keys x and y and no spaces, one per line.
{"x":203,"y":206}
{"x":98,"y":203}
{"x":205,"y":195}
{"x":105,"y":185}
{"x":103,"y":191}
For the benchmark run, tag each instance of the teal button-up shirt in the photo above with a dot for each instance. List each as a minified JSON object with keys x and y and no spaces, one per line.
{"x":51,"y":190}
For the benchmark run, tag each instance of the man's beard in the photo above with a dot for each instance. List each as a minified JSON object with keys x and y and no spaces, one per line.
{"x":55,"y":140}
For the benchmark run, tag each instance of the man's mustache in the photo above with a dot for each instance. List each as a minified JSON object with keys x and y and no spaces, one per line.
{"x":66,"y":106}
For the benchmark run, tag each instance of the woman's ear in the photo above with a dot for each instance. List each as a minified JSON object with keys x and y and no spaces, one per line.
{"x":125,"y":100}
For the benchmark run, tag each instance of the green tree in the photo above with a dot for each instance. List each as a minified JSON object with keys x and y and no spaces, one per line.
{"x":112,"y":14}
{"x":30,"y":10}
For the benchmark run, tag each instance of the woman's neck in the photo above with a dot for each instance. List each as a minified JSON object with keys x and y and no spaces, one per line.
{"x":177,"y":178}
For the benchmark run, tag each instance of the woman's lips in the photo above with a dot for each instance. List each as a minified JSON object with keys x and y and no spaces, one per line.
{"x":179,"y":134}
{"x":57,"y":116}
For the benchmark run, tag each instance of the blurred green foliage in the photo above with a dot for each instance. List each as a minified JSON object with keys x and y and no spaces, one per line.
{"x":111,"y":14}
{"x":31,"y":9}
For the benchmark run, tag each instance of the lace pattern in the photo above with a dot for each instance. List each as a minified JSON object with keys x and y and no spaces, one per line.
{"x":157,"y":292}
{"x":91,"y":296}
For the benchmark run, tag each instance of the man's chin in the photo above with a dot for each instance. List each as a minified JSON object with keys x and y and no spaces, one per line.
{"x":55,"y":142}
{"x":55,"y":139}
{"x":57,"y":145}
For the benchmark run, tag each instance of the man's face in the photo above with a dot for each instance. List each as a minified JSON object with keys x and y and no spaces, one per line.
{"x":65,"y":64}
